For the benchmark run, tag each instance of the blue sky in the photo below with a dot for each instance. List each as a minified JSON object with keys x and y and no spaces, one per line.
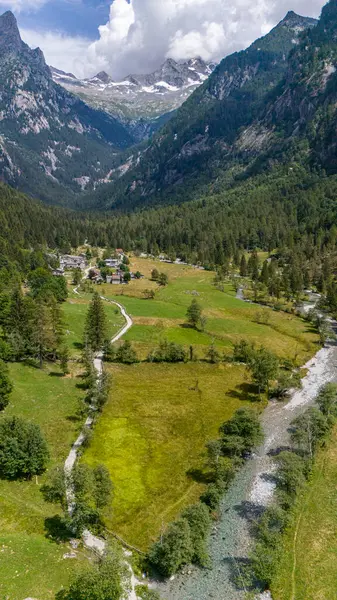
{"x":136,"y":36}
{"x":74,"y":17}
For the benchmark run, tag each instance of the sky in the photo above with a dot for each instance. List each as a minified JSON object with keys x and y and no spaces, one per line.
{"x":136,"y":36}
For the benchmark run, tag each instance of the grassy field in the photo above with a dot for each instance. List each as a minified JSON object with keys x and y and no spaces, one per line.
{"x":154,"y":428}
{"x":75,"y":310}
{"x":152,"y":434}
{"x":308,"y":569}
{"x":228,"y":319}
{"x":31,"y":565}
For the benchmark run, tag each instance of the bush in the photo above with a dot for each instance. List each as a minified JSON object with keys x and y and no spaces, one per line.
{"x":242,"y":433}
{"x":102,"y":583}
{"x":174,"y":550}
{"x":212,"y":495}
{"x":126,"y":354}
{"x":243,"y":351}
{"x":199,"y":521}
{"x":144,"y":593}
{"x":23,"y":449}
{"x":291,"y":473}
{"x":168,"y":352}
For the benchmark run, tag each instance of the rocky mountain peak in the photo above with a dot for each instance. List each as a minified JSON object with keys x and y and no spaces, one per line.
{"x":103,"y":76}
{"x":10,"y":39}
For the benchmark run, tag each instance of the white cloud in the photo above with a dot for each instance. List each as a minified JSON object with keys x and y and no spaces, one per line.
{"x":61,"y":51}
{"x":22,"y":5}
{"x":140,"y":34}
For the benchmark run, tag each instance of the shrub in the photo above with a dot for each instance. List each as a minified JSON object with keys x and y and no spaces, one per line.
{"x":102,"y":583}
{"x":23,"y":449}
{"x":199,"y":521}
{"x":174,"y":550}
{"x":168,"y":352}
{"x":243,"y":432}
{"x":126,"y":354}
{"x":243,"y":351}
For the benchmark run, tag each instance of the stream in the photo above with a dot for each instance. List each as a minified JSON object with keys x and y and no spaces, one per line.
{"x":251,"y":491}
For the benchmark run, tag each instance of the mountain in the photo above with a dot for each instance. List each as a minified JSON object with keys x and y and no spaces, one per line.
{"x":143,"y":103}
{"x":52,"y":145}
{"x":210,"y":134}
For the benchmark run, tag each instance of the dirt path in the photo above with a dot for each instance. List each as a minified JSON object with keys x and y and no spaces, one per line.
{"x":91,"y":541}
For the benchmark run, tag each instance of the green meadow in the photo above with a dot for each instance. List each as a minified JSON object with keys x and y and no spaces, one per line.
{"x":308,"y":566}
{"x":31,"y":564}
{"x":153,"y":430}
{"x":228,"y":319}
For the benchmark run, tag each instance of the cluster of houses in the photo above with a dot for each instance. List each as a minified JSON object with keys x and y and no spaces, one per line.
{"x":69,"y":262}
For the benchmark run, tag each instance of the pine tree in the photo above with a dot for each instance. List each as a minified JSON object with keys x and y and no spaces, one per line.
{"x":64,"y":360}
{"x":95,"y":328}
{"x":43,"y":334}
{"x":264,"y":277}
{"x":194,"y":313}
{"x":243,"y":266}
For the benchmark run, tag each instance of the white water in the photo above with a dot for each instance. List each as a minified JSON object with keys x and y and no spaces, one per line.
{"x":251,"y":492}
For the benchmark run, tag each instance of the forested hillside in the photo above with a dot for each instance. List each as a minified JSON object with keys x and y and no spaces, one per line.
{"x":201,"y":142}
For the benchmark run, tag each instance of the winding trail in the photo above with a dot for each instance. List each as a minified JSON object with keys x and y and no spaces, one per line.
{"x":250,"y":493}
{"x":91,"y":541}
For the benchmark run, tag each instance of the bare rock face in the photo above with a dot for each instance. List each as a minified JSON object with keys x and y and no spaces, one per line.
{"x":142,"y":102}
{"x":40,"y":121}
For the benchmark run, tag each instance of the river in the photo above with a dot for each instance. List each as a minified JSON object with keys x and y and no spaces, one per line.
{"x":251,"y":491}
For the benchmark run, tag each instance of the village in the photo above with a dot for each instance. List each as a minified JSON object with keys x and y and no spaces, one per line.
{"x":113,"y":270}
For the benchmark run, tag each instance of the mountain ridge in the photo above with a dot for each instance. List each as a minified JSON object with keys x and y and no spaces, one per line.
{"x":203,"y":137}
{"x":51,"y":143}
{"x":141,"y":102}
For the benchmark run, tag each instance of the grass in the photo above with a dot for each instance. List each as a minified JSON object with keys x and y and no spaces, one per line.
{"x":30,"y":563}
{"x":153,"y":433}
{"x":228,"y":319}
{"x":308,"y":568}
{"x":153,"y":430}
{"x":75,"y":311}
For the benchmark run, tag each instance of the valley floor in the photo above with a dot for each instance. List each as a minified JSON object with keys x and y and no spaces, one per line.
{"x":308,"y":569}
{"x":32,"y":564}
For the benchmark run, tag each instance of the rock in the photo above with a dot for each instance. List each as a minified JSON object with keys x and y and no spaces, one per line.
{"x":70,"y":555}
{"x":74,"y":544}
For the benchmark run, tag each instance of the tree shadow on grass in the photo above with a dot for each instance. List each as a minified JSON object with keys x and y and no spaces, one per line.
{"x":200,"y":476}
{"x":55,"y":374}
{"x":245,"y":392}
{"x":74,"y":418}
{"x":57,"y":529}
{"x":78,"y":345}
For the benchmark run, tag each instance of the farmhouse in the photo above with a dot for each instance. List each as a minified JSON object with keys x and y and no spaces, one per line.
{"x":112,"y":263}
{"x":67,"y":261}
{"x":115,"y":278}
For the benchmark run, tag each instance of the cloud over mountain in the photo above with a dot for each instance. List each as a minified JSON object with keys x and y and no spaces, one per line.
{"x":140,"y":34}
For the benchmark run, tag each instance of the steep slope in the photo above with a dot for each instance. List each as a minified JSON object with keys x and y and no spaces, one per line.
{"x":300,"y":123}
{"x":201,"y":138}
{"x":52,"y":145}
{"x":141,"y":102}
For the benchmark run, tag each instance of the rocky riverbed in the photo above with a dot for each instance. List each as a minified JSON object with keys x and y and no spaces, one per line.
{"x":250,"y":493}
